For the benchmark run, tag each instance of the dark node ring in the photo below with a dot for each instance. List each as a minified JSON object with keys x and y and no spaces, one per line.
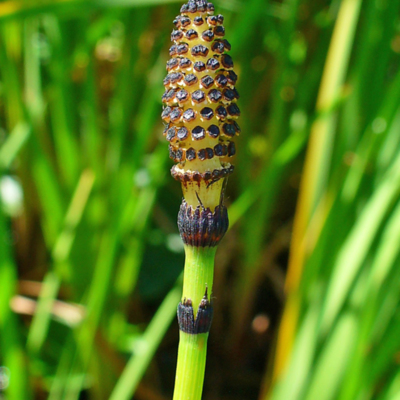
{"x":200,"y":227}
{"x":186,"y":320}
{"x":196,"y":176}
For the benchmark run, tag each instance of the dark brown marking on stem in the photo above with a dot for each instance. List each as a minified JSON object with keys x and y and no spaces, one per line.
{"x":186,"y":316}
{"x":200,"y":202}
{"x":202,"y":322}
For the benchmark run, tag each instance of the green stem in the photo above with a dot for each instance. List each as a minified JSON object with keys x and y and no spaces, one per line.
{"x":199,"y":273}
{"x":192,"y":352}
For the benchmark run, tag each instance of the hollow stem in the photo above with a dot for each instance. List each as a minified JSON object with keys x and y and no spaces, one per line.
{"x":199,"y":273}
{"x":191,"y":366}
{"x":192,"y":352}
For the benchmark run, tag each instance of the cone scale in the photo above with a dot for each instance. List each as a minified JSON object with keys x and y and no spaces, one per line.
{"x":200,"y":112}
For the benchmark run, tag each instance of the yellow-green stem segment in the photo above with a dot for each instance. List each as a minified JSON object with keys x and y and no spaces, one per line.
{"x":199,"y":273}
{"x":191,"y":366}
{"x":192,"y":352}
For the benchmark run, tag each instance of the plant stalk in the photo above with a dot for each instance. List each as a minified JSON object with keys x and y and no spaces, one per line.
{"x":192,"y":351}
{"x":199,"y":273}
{"x":200,"y":125}
{"x":191,"y":366}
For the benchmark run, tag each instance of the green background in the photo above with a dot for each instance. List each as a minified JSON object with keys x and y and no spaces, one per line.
{"x":90,"y":256}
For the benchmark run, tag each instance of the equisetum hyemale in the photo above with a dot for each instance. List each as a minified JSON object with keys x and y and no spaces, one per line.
{"x":200,"y":113}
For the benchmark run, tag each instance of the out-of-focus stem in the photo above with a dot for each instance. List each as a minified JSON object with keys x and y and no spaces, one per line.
{"x":313,"y":185}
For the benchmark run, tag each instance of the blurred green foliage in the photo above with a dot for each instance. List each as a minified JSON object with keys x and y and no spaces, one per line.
{"x":90,"y":257}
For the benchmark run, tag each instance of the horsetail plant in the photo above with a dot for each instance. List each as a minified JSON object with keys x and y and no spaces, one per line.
{"x":200,"y":112}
